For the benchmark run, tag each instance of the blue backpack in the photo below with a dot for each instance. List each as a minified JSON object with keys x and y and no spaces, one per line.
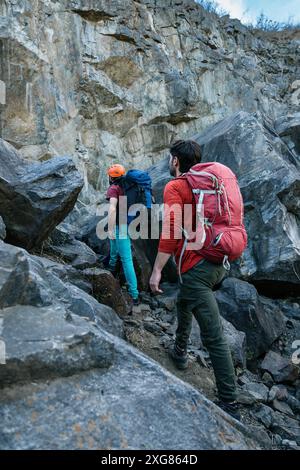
{"x":137,"y":187}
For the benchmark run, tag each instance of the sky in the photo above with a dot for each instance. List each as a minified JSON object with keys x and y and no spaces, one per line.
{"x":248,"y":10}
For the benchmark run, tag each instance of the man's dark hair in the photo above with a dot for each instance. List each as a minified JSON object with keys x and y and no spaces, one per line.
{"x":188,"y":153}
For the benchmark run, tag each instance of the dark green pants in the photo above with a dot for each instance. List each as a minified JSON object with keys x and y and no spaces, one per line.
{"x":197,"y":298}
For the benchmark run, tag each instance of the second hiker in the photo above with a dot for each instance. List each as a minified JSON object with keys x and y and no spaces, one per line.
{"x":129,"y":195}
{"x":120,"y":244}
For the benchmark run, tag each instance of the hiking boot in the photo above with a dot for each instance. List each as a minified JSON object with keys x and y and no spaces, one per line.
{"x":231,"y":408}
{"x":134,"y":306}
{"x":179,"y":357}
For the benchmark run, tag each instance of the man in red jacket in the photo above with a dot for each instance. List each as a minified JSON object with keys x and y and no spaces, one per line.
{"x":199,"y":276}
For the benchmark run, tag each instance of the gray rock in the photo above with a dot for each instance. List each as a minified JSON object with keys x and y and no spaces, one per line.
{"x":278,"y":392}
{"x":277,"y":439}
{"x":264,"y":415}
{"x":259,"y":318}
{"x":66,"y":273}
{"x":291,"y":310}
{"x":281,"y":368}
{"x":42,"y":343}
{"x":270,"y":186}
{"x":2,"y":229}
{"x":246,"y":398}
{"x":247,"y":377}
{"x":237,"y":343}
{"x":267,"y":379}
{"x":154,"y":328}
{"x":262,"y":435}
{"x":98,"y":409}
{"x":287,"y":427}
{"x":288,"y":127}
{"x":258,"y":390}
{"x":35,"y":197}
{"x":21,"y":279}
{"x":294,"y":404}
{"x":290,"y":444}
{"x":282,"y":407}
{"x":29,"y":280}
{"x":67,"y":249}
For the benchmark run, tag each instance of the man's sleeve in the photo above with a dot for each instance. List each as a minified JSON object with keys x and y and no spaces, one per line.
{"x":172,"y":219}
{"x":113,"y":191}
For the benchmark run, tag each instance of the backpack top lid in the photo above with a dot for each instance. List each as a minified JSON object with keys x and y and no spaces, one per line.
{"x":216,"y":168}
{"x":139,"y":177}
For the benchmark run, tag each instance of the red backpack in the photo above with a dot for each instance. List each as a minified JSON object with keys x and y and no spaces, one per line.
{"x":219,"y":212}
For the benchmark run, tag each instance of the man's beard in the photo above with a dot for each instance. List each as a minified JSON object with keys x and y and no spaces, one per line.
{"x":172,"y":170}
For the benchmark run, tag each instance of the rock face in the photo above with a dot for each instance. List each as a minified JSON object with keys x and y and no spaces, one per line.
{"x":259,"y":318}
{"x":270,"y":184}
{"x":35,"y":197}
{"x":121,"y":79}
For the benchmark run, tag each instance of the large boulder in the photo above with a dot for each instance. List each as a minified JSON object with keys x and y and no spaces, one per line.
{"x":34,"y":281}
{"x":270,"y":184}
{"x":46,"y":342}
{"x":116,"y":398}
{"x":261,"y":319}
{"x":35,"y":197}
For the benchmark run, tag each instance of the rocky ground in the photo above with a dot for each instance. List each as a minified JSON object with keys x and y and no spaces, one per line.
{"x":66,"y":325}
{"x":270,"y":403}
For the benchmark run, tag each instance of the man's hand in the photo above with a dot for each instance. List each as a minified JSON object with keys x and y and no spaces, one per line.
{"x":154,"y":281}
{"x":111,"y":234}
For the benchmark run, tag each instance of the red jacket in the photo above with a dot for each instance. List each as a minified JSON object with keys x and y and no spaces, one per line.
{"x":179,"y":193}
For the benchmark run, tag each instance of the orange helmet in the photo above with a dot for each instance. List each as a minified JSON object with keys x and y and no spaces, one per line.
{"x":115,"y":171}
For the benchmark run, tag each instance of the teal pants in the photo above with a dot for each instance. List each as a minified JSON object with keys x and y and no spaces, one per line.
{"x":121,"y":246}
{"x":196,"y":298}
